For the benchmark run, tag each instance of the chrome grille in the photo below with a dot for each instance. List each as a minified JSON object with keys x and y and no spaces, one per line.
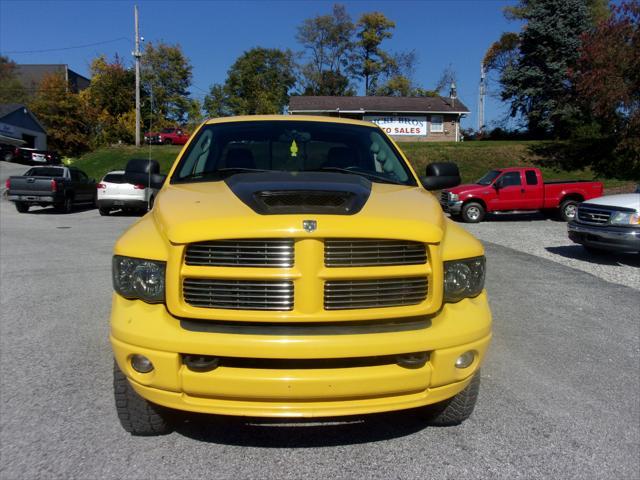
{"x":261,"y":252}
{"x":444,"y":197}
{"x":592,"y":215}
{"x":238,"y":294}
{"x":388,"y":292}
{"x":349,"y":252}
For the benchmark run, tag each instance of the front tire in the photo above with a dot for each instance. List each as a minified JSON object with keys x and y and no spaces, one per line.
{"x":456,"y":409}
{"x":568,"y":210}
{"x":103,"y":211}
{"x":167,"y":141}
{"x":472,"y":212}
{"x":22,"y":207}
{"x":138,"y":416}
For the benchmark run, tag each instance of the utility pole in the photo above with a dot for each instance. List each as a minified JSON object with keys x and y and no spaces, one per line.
{"x":136,"y":53}
{"x":481,"y":95}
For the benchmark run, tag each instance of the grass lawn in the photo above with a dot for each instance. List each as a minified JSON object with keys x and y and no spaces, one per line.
{"x":473,"y":158}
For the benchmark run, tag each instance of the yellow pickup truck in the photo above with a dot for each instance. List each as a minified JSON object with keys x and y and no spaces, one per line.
{"x":296,"y":266}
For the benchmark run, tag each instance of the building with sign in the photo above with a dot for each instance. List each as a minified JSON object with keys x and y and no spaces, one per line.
{"x":20,"y":128}
{"x":411,"y":119}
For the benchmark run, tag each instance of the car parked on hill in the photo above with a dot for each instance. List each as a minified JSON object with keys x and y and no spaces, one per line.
{"x":115,"y":193}
{"x":29,"y":156}
{"x":517,"y":190}
{"x":167,"y":136}
{"x":611,"y":223}
{"x":62,"y":187}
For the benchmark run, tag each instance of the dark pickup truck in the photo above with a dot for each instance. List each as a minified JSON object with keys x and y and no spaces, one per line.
{"x":62,"y":187}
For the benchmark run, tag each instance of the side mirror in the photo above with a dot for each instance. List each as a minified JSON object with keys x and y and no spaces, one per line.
{"x":441,"y":175}
{"x":497,"y":184}
{"x":144,"y":172}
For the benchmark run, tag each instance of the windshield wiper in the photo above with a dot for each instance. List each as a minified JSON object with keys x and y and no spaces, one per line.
{"x":369,"y":175}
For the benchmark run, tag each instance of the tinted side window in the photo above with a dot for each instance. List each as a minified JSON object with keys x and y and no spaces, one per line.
{"x":510,"y":178}
{"x":532,"y":178}
{"x":74,"y":175}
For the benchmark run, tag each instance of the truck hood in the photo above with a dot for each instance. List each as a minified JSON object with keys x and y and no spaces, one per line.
{"x":625,"y":200}
{"x":467,"y":188}
{"x":193,"y":212}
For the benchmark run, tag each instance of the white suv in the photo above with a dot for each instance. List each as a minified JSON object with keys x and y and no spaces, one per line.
{"x":114,"y":193}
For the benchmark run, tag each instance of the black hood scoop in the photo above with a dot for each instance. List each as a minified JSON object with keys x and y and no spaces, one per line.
{"x":277,"y":193}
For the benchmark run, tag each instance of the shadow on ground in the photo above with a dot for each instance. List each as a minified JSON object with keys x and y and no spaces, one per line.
{"x":577,"y":252}
{"x":303,"y":433}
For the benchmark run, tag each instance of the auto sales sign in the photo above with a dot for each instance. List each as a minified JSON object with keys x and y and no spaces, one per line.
{"x":399,"y":126}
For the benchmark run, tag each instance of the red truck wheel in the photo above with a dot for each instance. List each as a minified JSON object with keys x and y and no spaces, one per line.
{"x":473,"y":212}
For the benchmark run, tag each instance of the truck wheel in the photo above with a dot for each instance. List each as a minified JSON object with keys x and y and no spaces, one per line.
{"x":167,"y":141}
{"x":22,"y":207}
{"x":456,"y":409}
{"x":67,"y":205}
{"x":103,"y":211}
{"x":472,"y":212}
{"x":138,"y":416}
{"x":568,"y":210}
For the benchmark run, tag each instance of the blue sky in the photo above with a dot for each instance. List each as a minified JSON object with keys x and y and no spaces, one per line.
{"x":214,"y":33}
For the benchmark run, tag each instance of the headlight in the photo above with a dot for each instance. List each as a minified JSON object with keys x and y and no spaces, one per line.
{"x":453,"y":197}
{"x":625,"y":218}
{"x":463,"y":278}
{"x":139,"y":278}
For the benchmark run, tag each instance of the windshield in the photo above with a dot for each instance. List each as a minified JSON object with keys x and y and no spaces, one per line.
{"x":224,"y":149}
{"x":489,"y":177}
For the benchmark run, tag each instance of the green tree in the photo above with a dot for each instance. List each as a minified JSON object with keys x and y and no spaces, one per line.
{"x":257,"y":83}
{"x":327,"y":40}
{"x":11,"y":90}
{"x":166,"y":75}
{"x":370,"y":61}
{"x":533,"y":66}
{"x":63,"y":116}
{"x":110,"y":96}
{"x":607,"y":87}
{"x":216,"y":103}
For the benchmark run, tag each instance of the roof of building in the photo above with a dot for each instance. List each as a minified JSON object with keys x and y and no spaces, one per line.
{"x":305,"y":103}
{"x":8,"y":115}
{"x":7,"y":108}
{"x":30,"y":75}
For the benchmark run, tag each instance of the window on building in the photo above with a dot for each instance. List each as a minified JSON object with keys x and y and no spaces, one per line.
{"x":437,"y":123}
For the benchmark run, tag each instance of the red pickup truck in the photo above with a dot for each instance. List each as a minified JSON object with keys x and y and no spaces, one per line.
{"x":517,"y":190}
{"x":167,"y":136}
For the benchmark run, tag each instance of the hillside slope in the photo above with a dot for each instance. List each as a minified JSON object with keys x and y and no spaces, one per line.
{"x":473,"y":158}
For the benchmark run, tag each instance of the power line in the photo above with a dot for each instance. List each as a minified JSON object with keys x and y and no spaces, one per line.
{"x":18,"y":52}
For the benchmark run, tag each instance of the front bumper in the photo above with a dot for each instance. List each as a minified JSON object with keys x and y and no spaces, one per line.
{"x":452,"y":207}
{"x":623,"y":239}
{"x":249,"y":389}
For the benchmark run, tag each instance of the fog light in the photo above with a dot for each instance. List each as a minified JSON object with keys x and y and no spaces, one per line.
{"x":466,"y":359}
{"x":141,"y":364}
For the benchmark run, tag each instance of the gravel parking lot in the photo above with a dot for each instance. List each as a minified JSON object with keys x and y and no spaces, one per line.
{"x":559,"y":395}
{"x":545,"y":238}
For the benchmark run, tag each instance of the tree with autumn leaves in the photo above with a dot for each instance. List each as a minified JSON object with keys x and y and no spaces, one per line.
{"x":572,"y":75}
